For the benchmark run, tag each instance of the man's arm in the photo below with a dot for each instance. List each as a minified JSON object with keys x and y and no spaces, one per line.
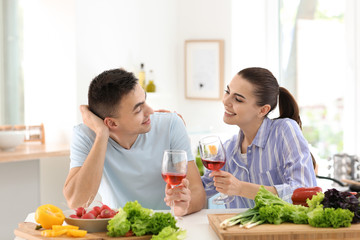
{"x":82,"y":183}
{"x":198,"y":196}
{"x":190,"y":196}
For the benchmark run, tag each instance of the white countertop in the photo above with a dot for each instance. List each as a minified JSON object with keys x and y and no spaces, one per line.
{"x":196,"y":224}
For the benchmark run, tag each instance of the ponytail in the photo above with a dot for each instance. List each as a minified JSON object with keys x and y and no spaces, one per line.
{"x":288,"y":106}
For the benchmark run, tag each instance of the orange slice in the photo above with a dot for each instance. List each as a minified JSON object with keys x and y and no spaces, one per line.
{"x":212,"y":149}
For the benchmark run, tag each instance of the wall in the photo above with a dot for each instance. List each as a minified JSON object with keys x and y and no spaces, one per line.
{"x":202,"y":20}
{"x":90,"y":36}
{"x":49,"y":66}
{"x":249,"y":30}
{"x":138,"y":36}
{"x":114,"y":33}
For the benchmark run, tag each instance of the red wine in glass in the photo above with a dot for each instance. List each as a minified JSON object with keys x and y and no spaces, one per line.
{"x":173,"y":178}
{"x":213,"y":165}
{"x":173,"y":170}
{"x":213,"y":157}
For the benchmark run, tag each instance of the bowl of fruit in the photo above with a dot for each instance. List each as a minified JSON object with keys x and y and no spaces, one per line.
{"x":93,"y":219}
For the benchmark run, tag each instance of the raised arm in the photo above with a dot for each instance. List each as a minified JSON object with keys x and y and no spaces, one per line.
{"x":82,"y":183}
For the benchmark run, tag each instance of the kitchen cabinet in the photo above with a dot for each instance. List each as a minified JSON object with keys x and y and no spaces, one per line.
{"x":31,"y":175}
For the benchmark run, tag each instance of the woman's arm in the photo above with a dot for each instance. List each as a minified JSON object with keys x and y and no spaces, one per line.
{"x":228,"y":184}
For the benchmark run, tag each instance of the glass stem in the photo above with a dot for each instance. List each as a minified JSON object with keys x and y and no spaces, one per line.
{"x":172,"y":208}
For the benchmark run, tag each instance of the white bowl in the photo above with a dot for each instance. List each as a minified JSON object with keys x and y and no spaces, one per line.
{"x":9,"y":140}
{"x":90,"y":225}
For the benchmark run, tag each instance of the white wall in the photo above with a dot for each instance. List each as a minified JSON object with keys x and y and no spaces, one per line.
{"x":250,"y":32}
{"x":202,"y":19}
{"x":153,"y":32}
{"x":113,"y":33}
{"x":68,"y":43}
{"x":49,"y":66}
{"x":255,"y":32}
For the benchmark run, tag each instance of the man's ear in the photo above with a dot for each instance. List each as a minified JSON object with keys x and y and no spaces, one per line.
{"x":264,"y":110}
{"x":110,"y":122}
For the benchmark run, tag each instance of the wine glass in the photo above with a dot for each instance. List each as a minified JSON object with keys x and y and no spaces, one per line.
{"x":213,"y":158}
{"x":173,"y":169}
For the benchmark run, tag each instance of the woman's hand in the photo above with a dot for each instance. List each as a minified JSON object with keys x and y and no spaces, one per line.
{"x":181,"y":195}
{"x":92,"y":121}
{"x":164,"y":110}
{"x":226,"y":183}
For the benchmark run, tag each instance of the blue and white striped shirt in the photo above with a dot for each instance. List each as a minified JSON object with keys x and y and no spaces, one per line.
{"x":279,"y":156}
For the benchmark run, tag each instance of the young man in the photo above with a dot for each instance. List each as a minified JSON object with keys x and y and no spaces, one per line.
{"x":118,"y":150}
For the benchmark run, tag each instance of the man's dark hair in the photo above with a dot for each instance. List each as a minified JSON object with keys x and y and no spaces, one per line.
{"x":107,"y":89}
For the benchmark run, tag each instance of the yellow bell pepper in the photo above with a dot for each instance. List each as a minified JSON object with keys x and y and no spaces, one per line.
{"x":76,"y":233}
{"x":60,"y":227}
{"x":58,"y":230}
{"x":48,"y":215}
{"x":53,"y":233}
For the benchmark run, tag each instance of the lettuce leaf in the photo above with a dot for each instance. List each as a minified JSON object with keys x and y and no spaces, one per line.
{"x":119,"y":225}
{"x":330,"y":217}
{"x":134,"y":211}
{"x":160,"y":220}
{"x":169,"y":233}
{"x":315,"y":201}
{"x":140,"y":220}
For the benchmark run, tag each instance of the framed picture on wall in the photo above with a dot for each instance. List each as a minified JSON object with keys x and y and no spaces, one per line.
{"x":204,"y":69}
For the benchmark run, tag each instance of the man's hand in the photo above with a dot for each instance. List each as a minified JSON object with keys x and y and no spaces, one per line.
{"x":181,"y":195}
{"x":92,"y":121}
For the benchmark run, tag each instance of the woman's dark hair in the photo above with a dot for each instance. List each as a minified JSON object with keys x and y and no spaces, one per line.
{"x":107,"y":89}
{"x":267,"y":91}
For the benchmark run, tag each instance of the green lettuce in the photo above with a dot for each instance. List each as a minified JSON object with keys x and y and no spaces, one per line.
{"x":315,"y":201}
{"x":275,"y":210}
{"x":269,"y":208}
{"x":169,"y":233}
{"x":139,"y":220}
{"x":134,"y":211}
{"x":330,"y":217}
{"x":118,"y":225}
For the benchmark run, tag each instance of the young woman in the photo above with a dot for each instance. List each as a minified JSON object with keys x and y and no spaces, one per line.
{"x":268,"y":152}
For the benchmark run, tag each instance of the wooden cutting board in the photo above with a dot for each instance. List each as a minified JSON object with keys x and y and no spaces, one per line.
{"x":27,"y":231}
{"x":284,"y":231}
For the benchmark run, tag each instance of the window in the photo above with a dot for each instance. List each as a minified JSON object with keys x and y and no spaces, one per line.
{"x":11,"y":78}
{"x":316,"y":59}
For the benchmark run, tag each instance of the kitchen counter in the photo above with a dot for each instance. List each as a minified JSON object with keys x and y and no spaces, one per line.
{"x":34,"y":150}
{"x":196,"y":224}
{"x":35,"y":173}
